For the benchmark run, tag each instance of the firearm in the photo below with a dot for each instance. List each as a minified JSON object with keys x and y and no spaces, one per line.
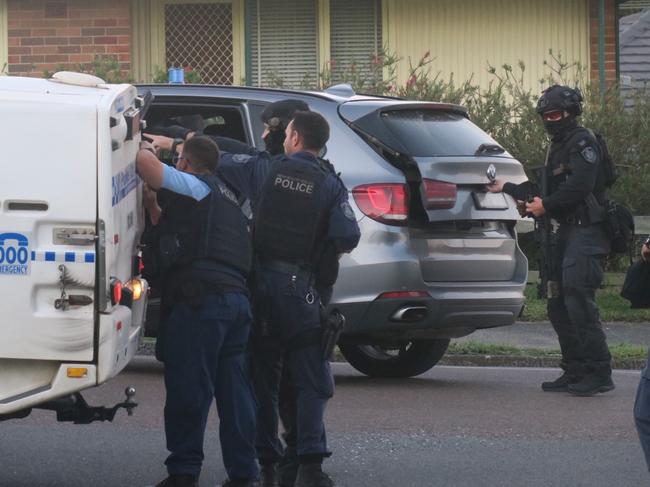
{"x":549,"y":270}
{"x":332,"y":325}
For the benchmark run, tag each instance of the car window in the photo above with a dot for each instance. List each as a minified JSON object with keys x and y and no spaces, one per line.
{"x":256,"y":110}
{"x":428,"y":133}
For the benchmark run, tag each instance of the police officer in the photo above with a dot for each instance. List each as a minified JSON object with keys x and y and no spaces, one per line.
{"x":642,"y":402}
{"x":205,"y":250}
{"x":574,"y":201}
{"x":300,"y":213}
{"x":245,"y":169}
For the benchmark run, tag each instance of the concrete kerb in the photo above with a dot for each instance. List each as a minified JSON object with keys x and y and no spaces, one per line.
{"x":527,"y":335}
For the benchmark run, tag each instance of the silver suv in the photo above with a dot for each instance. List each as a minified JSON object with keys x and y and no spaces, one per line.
{"x":438,"y":256}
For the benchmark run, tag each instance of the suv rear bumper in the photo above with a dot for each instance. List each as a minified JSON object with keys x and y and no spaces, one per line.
{"x":452,"y":311}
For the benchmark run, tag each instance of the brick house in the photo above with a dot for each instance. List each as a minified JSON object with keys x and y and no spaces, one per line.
{"x":250,"y":41}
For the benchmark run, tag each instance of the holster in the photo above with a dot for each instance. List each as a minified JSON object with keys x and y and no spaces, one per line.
{"x":332,"y":325}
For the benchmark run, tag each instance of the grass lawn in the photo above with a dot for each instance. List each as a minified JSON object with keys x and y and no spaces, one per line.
{"x":622,"y":351}
{"x":612,"y":306}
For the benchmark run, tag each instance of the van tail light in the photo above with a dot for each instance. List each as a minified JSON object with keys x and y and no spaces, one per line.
{"x":384,"y":202}
{"x":136,"y":287}
{"x":439,"y":195}
{"x":116,"y":291}
{"x":404,"y":295}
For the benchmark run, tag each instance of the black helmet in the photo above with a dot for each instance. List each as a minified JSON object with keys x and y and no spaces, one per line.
{"x":278,"y":114}
{"x":562,"y":98}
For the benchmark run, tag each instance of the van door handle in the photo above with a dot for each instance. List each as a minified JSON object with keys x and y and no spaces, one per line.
{"x":74,"y":236}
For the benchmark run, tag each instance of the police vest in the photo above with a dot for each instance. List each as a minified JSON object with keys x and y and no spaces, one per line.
{"x":211,"y":229}
{"x":289,"y":223}
{"x":559,"y":165}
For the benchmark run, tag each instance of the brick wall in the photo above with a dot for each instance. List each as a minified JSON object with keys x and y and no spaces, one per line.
{"x":45,"y":34}
{"x":611,"y":32}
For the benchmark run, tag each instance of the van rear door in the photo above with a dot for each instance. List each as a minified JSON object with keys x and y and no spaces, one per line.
{"x":48,"y":211}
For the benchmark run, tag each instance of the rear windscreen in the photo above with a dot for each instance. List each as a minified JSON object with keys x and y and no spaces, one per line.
{"x":430,"y":133}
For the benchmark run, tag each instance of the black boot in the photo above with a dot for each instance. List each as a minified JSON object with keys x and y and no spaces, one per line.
{"x":240,"y":483}
{"x":312,"y":475}
{"x":179,"y":481}
{"x":592,"y":384}
{"x":561,"y":384}
{"x":269,"y":475}
{"x":288,"y":469}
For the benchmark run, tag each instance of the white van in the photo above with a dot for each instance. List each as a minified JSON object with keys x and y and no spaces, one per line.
{"x":71,"y":217}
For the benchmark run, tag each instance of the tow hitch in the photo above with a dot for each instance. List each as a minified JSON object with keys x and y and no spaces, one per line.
{"x":74,"y":408}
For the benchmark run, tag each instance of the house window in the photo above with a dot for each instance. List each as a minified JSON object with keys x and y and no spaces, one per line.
{"x":355,"y":37}
{"x":199,"y":36}
{"x":284,"y":42}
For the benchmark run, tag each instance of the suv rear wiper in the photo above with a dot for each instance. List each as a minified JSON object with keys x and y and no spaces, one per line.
{"x":484,"y":149}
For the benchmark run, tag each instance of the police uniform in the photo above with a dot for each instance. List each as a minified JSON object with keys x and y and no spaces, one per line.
{"x":642,"y":401}
{"x":642,"y":411}
{"x":298,"y":204}
{"x":573,"y":201}
{"x":206,"y":252}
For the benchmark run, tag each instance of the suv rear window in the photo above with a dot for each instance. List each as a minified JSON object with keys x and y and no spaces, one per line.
{"x":428,"y":133}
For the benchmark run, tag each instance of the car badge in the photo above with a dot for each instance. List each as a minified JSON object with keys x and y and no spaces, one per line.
{"x":491,"y":173}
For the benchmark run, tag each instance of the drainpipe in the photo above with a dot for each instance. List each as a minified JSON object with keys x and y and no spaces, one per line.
{"x":601,"y":46}
{"x":247,"y":43}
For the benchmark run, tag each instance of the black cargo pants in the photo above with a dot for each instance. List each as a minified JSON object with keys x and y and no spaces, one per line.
{"x":574,"y":314}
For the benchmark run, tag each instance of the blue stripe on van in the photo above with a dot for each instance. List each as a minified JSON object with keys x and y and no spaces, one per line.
{"x":71,"y":257}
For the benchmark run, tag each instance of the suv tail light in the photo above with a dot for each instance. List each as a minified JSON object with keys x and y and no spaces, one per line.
{"x":384,"y":202}
{"x":439,"y":195}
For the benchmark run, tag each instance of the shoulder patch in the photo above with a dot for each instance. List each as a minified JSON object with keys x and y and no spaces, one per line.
{"x":589,"y":154}
{"x":347,"y":211}
{"x":229,"y":195}
{"x":241,"y":158}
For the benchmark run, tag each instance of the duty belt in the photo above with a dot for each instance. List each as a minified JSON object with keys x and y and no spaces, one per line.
{"x":302,"y":271}
{"x":576,"y":220}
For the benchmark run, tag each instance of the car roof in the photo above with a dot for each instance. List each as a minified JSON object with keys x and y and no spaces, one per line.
{"x":337,"y":94}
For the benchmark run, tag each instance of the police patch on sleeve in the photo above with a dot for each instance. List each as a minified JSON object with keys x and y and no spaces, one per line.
{"x":241,"y":158}
{"x":347,"y":210}
{"x":589,"y":154}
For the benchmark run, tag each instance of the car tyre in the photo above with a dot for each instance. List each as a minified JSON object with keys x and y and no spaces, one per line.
{"x":405,"y":360}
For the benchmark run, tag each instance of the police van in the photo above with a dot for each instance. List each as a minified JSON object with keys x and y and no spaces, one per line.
{"x":71,"y":298}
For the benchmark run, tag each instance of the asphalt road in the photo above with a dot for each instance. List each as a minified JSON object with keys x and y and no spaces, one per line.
{"x":454,"y":426}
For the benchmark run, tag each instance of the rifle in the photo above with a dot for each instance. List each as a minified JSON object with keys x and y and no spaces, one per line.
{"x":549,"y":268}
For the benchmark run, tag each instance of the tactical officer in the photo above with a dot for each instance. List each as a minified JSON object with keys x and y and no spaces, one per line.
{"x":300,"y":214}
{"x":205,"y":250}
{"x":575,"y":194}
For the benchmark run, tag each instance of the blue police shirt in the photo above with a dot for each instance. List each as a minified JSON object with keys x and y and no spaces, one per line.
{"x":246,"y":173}
{"x":184,"y":183}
